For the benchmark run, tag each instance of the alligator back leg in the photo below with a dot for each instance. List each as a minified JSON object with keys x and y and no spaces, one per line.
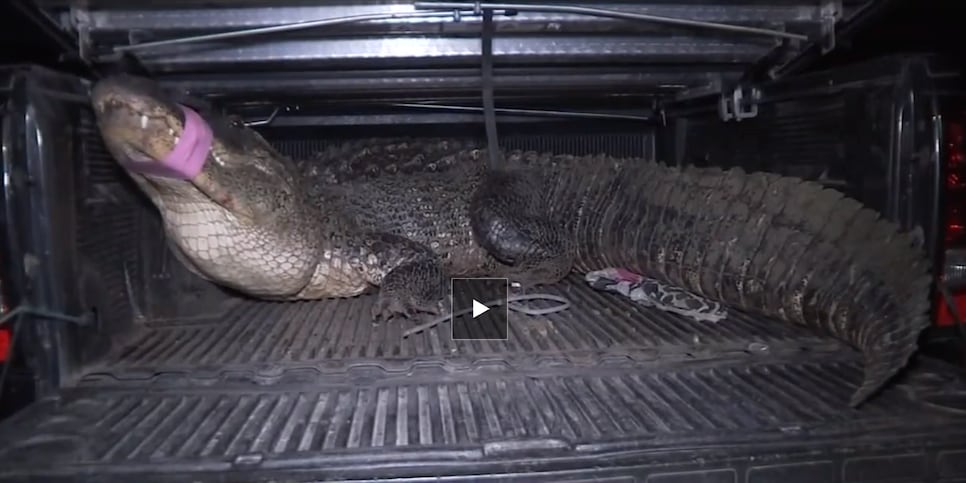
{"x":508,"y":221}
{"x":778,"y":246}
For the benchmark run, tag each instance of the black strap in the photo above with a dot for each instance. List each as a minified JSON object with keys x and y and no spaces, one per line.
{"x":489,"y":108}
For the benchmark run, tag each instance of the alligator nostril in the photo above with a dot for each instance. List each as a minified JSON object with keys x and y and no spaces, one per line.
{"x":107,"y":106}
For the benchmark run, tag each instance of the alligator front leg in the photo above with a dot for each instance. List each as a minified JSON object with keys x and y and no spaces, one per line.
{"x":409,"y":289}
{"x":507,"y":221}
{"x":409,"y":275}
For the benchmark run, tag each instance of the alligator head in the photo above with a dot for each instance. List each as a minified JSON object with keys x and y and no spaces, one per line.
{"x":141,"y":125}
{"x":239,"y":217}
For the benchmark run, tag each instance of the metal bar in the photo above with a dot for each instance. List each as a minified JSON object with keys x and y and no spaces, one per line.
{"x":865,"y":15}
{"x":103,"y":19}
{"x":264,"y":122}
{"x":454,"y":10}
{"x":600,"y":12}
{"x":289,"y":27}
{"x":527,"y":112}
{"x":359,"y":53}
{"x":409,"y":119}
{"x":51,"y":29}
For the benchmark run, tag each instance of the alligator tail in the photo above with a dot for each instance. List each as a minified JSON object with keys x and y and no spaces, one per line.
{"x":775,"y":245}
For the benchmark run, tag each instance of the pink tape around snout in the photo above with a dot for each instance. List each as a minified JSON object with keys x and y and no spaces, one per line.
{"x":188,"y":156}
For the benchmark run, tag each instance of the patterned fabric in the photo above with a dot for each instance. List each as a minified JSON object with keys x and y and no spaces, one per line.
{"x":652,"y":293}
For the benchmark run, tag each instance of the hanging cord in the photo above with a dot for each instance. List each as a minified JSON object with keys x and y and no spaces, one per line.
{"x":564,"y":305}
{"x":489,"y":104}
{"x":495,"y":161}
{"x":26,"y":310}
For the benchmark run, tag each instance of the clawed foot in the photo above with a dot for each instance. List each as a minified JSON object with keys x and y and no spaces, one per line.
{"x":529,"y":283}
{"x":390,"y":306}
{"x":409,"y":290}
{"x":520,"y":287}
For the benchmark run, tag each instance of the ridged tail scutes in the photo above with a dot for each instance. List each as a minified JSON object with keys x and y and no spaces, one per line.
{"x":888,"y":336}
{"x":775,"y":245}
{"x":888,"y":287}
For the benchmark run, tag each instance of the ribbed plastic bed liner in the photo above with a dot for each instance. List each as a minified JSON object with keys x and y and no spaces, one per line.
{"x":704,"y":417}
{"x":336,"y":335}
{"x":606,"y":389}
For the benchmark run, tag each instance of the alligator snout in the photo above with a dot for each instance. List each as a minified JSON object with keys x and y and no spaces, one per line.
{"x":126,"y":98}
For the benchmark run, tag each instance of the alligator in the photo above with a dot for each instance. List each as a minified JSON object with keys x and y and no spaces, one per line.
{"x":373,"y":157}
{"x":778,"y":246}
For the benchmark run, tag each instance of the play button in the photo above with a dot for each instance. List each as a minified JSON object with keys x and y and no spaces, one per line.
{"x":474,"y":320}
{"x":479,"y":309}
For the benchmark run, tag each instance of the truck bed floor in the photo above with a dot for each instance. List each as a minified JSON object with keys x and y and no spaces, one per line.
{"x":335,"y":335}
{"x":312,"y":390}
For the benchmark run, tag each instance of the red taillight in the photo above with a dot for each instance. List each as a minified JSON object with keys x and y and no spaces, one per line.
{"x":5,"y":334}
{"x":955,"y":184}
{"x":944,"y":318}
{"x":4,"y":344}
{"x":955,"y":213}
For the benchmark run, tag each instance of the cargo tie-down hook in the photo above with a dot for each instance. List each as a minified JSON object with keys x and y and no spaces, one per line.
{"x":738,"y":105}
{"x":263,"y":122}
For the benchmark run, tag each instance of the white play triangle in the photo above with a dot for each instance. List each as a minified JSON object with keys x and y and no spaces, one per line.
{"x":479,"y":309}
